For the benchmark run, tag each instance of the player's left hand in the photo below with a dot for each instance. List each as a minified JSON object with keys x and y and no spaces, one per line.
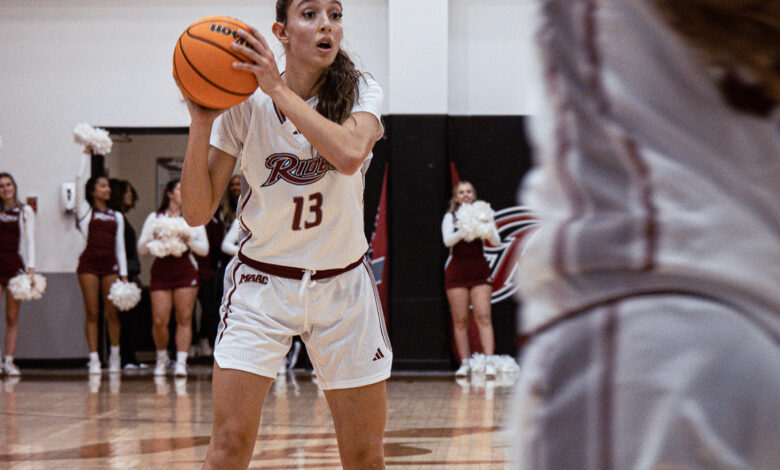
{"x":263,"y":64}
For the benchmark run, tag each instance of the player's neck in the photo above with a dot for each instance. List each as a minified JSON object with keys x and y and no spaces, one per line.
{"x":100,"y":205}
{"x":304,"y":83}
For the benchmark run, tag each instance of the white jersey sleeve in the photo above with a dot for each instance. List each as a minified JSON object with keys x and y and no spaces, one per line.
{"x":370,"y":98}
{"x":199,"y":244}
{"x":230,"y":242}
{"x":230,"y":129}
{"x":119,"y":246}
{"x":448,"y":233}
{"x":147,"y":234}
{"x":28,"y":236}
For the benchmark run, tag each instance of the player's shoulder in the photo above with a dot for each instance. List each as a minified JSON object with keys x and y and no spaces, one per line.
{"x":367,"y":83}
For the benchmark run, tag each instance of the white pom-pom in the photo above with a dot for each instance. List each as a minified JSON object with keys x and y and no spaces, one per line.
{"x":125,"y":295}
{"x":171,"y":236}
{"x":475,"y":220}
{"x":157,"y":248}
{"x":21,"y":288}
{"x":93,"y":138}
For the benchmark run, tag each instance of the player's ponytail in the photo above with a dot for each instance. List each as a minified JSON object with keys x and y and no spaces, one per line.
{"x":339,"y":90}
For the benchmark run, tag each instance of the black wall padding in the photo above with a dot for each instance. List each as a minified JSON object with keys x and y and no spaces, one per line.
{"x":419,"y":175}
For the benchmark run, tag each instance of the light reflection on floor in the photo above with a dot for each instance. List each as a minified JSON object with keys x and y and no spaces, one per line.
{"x":62,"y":420}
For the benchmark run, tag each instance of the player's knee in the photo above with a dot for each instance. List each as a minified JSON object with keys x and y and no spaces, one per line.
{"x":365,"y":458}
{"x":460,"y":323}
{"x":92,"y":316}
{"x":232,"y":445}
{"x":160,"y":322}
{"x":482,"y":318}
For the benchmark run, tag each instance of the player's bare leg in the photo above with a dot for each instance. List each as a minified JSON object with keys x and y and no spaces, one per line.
{"x":458,"y":298}
{"x":90,"y":290}
{"x":11,"y":322}
{"x":112,"y":315}
{"x":359,"y":415}
{"x":184,"y":301}
{"x":480,"y":299}
{"x":162,"y":302}
{"x":238,"y":398}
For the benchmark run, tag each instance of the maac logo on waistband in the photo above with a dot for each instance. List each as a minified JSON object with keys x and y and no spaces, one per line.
{"x":253,"y":278}
{"x":513,"y":224}
{"x":288,"y":167}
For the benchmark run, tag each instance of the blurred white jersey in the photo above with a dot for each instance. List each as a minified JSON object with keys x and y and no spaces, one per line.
{"x":295,"y":208}
{"x":647,"y":180}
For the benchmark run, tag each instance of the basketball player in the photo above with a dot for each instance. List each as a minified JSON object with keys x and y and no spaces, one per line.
{"x":651,"y":287}
{"x":305,"y":140}
{"x":467,"y":283}
{"x":17,"y":255}
{"x":174,"y":283}
{"x":101,"y":262}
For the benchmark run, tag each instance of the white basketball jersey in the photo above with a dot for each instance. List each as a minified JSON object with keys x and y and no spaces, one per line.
{"x":295,"y":208}
{"x":646,"y":178}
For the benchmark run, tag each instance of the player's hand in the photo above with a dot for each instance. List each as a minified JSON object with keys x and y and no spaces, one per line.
{"x":199,"y":113}
{"x":263,"y":63}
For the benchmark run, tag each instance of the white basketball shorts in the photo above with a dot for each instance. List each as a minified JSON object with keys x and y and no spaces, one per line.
{"x":339,"y":318}
{"x":648,"y":383}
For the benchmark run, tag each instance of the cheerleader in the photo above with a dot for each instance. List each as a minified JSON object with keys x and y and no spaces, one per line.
{"x":231,"y":240}
{"x":17,"y":255}
{"x":101,"y":262}
{"x":174,"y":283}
{"x":467,"y":281}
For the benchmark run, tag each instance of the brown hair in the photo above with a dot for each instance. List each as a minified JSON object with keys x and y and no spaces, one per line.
{"x":16,"y":190}
{"x":736,"y":37}
{"x":166,"y":201}
{"x":89,"y":188}
{"x":339,"y":89}
{"x":454,"y":204}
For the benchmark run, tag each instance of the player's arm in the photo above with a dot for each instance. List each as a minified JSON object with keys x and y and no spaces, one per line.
{"x":345,"y":145}
{"x":206,"y":170}
{"x":450,"y":236}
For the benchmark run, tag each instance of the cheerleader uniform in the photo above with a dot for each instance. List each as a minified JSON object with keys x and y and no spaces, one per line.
{"x":105,"y":251}
{"x":17,"y":249}
{"x":172,"y":272}
{"x":466,"y":266}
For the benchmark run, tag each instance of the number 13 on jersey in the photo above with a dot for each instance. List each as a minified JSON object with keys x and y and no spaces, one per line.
{"x":314,"y":205}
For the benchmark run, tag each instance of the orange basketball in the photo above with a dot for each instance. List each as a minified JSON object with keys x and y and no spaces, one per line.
{"x":202,"y":63}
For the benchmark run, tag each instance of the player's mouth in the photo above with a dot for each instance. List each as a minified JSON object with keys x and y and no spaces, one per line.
{"x":325,"y":45}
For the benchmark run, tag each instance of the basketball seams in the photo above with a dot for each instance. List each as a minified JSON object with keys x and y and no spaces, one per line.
{"x":184,"y":55}
{"x":218,"y":46}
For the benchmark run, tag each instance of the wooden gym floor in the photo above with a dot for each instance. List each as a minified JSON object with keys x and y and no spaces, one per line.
{"x":61,"y":420}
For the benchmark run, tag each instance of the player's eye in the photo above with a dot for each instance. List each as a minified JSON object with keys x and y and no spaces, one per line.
{"x":336,"y":15}
{"x":308,"y":14}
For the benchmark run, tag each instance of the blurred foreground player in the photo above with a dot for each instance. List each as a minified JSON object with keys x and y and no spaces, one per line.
{"x":652,"y":290}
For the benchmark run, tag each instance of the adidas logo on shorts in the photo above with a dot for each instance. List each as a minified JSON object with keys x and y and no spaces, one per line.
{"x":378,"y":355}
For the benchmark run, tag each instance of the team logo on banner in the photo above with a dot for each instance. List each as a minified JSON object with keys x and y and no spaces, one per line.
{"x":513,"y":224}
